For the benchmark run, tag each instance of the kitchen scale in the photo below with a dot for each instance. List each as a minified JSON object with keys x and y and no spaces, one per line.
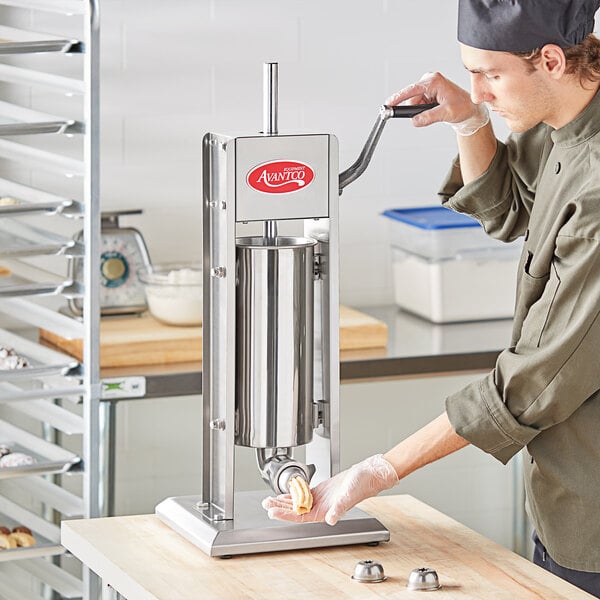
{"x":123,"y":254}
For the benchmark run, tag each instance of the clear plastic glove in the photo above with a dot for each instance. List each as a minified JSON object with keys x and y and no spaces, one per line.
{"x":334,"y":497}
{"x":474,"y":123}
{"x":455,"y":105}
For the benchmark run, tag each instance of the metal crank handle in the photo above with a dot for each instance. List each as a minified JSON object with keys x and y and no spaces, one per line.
{"x":406,"y":111}
{"x":362,"y":162}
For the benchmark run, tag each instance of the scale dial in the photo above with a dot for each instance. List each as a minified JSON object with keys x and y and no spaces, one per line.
{"x":123,"y":254}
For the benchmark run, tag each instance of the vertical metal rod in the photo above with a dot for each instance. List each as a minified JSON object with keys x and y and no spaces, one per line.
{"x":91,"y":268}
{"x":270,"y":98}
{"x":270,"y":116}
{"x":271,"y":231}
{"x":107,"y":456}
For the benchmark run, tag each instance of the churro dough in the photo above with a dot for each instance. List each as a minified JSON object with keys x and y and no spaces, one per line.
{"x":302,"y":498}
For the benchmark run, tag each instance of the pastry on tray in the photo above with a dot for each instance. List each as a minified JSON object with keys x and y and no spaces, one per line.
{"x":9,"y":359}
{"x":7,"y":542}
{"x":22,"y":539}
{"x":16,"y":459}
{"x":22,"y":529}
{"x":19,"y":537}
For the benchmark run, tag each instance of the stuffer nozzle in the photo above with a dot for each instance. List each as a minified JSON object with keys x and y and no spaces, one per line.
{"x":277,"y":467}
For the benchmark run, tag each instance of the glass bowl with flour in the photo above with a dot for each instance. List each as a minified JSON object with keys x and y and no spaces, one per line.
{"x":174,"y":293}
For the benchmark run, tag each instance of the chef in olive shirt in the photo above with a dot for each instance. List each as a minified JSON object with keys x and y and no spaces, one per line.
{"x":537,"y":65}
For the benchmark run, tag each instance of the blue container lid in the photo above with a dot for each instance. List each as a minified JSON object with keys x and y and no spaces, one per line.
{"x":431,"y":217}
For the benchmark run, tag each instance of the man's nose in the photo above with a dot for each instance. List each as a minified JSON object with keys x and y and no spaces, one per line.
{"x":478,"y":91}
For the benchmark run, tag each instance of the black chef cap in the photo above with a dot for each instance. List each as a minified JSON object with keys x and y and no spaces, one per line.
{"x":524,"y":25}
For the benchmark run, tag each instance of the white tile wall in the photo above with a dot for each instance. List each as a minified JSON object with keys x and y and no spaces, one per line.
{"x":170,"y":75}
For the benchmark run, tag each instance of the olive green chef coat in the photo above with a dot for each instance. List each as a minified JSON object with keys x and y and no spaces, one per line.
{"x":544,"y":392}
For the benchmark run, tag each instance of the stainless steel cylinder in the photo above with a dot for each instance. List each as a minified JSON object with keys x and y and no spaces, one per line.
{"x":274,"y":342}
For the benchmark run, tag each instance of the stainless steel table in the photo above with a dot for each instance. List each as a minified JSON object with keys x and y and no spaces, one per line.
{"x":416,"y":348}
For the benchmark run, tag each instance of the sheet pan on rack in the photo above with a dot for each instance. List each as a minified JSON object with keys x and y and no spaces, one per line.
{"x":23,"y":279}
{"x":47,"y":458}
{"x":18,"y":239}
{"x":42,"y":547}
{"x":18,"y":199}
{"x":41,"y":361}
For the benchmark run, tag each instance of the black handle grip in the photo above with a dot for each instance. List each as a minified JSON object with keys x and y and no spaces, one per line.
{"x":409,"y":110}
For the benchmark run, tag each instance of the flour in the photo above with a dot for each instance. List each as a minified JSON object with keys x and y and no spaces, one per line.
{"x":456,"y":289}
{"x":176,"y":297}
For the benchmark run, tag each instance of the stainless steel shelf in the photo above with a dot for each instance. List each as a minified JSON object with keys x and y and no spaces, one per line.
{"x":8,"y":128}
{"x":65,"y":7}
{"x":42,"y":465}
{"x":49,"y":457}
{"x":20,"y":41}
{"x":35,"y":47}
{"x":19,"y":120}
{"x":43,"y":546}
{"x":17,"y":239}
{"x":17,"y":199}
{"x":22,"y":287}
{"x":417,"y":347}
{"x":42,"y":361}
{"x":26,"y":280}
{"x":24,"y":207}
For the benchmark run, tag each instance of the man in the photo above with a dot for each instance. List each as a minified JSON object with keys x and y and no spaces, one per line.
{"x":537,"y":65}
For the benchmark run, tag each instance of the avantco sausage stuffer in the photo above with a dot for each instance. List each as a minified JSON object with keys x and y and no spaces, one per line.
{"x":270,"y":374}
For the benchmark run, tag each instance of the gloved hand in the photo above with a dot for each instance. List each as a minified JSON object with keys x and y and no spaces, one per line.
{"x":333,"y":497}
{"x":455,"y":105}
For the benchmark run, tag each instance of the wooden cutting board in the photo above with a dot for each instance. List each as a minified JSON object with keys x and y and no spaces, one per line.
{"x":130,"y":341}
{"x":359,"y":330}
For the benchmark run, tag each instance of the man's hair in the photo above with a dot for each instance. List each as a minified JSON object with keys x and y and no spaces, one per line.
{"x":583,"y":60}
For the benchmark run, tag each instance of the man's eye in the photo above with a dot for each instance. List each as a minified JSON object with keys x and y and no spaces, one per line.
{"x":491,"y":77}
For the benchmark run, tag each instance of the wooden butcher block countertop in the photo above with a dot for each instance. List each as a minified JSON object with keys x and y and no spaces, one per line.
{"x":142,"y":559}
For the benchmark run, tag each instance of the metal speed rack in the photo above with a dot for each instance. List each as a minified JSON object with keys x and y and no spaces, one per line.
{"x":49,"y":402}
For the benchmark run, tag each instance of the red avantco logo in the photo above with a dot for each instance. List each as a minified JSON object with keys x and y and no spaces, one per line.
{"x":280,"y":177}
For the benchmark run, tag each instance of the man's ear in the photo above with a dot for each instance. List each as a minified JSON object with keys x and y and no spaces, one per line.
{"x":553,"y":60}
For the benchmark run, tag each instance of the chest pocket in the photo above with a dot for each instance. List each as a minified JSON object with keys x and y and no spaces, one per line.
{"x":536,"y":298}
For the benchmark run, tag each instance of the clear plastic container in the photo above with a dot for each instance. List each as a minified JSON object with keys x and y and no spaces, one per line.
{"x":468,"y":287}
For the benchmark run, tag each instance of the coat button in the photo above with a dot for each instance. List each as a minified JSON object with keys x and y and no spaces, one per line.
{"x":557,"y":168}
